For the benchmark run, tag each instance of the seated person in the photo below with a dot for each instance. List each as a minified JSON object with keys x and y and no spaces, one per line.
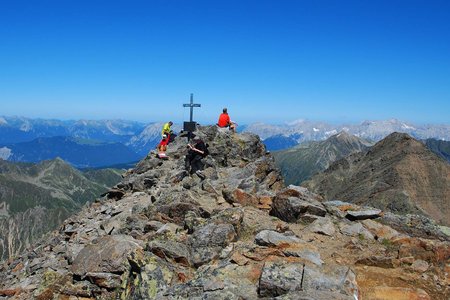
{"x":162,"y":147}
{"x":197,"y":151}
{"x":224,"y":121}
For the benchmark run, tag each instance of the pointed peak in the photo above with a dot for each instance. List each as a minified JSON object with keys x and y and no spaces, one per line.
{"x":344,"y":136}
{"x":399,"y":136}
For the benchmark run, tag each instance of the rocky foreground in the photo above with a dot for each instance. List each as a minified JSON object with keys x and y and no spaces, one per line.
{"x":238,"y":234}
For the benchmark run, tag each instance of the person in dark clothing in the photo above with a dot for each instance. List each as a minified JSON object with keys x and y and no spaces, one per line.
{"x":196,"y":152}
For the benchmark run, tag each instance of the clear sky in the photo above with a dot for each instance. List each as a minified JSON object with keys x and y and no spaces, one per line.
{"x":270,"y":61}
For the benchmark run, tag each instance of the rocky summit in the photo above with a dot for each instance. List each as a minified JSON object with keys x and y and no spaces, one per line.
{"x":235,"y":233}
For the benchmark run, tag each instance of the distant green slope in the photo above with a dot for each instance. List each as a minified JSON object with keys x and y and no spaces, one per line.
{"x":299,"y":163}
{"x":36,"y":198}
{"x":440,"y":147}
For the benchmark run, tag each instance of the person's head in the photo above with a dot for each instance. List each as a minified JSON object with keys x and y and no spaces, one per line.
{"x":170,"y":123}
{"x":225,"y":110}
{"x":164,"y":136}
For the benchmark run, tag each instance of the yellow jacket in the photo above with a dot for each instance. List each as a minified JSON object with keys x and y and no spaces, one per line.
{"x":166,"y":129}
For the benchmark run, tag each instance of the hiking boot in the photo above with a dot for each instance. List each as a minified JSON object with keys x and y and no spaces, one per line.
{"x":200,"y":174}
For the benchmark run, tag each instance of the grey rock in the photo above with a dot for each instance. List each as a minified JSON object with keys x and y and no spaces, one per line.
{"x":192,"y":221}
{"x":177,"y":210}
{"x":290,"y":209}
{"x":323,"y":226}
{"x":154,"y":279}
{"x":305,"y":253}
{"x":233,"y":216}
{"x":363,"y":214}
{"x":221,"y":281}
{"x":168,"y":249}
{"x":356,"y":229}
{"x":273,"y":238}
{"x":208,"y":241}
{"x":421,"y":226}
{"x":278,"y":279}
{"x":330,"y":278}
{"x":337,"y":203}
{"x":80,"y":289}
{"x":307,"y":218}
{"x":153,"y":226}
{"x":333,"y":207}
{"x":105,"y":280}
{"x":168,"y":228}
{"x":107,"y":254}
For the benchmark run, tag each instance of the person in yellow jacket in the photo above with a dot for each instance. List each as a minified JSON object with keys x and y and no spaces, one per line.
{"x":167,"y":131}
{"x":166,"y":128}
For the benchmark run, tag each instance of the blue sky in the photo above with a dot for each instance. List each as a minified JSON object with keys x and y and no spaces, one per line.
{"x":269,"y":61}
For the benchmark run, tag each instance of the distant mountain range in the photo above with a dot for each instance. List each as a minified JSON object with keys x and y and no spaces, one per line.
{"x":301,"y":162}
{"x":19,"y":129}
{"x":79,"y":152}
{"x":36,"y":198}
{"x":141,"y":138}
{"x":398,"y":173}
{"x":278,"y":137}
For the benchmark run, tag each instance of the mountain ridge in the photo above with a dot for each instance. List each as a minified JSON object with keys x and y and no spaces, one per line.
{"x":301,"y":162}
{"x":398,"y":173}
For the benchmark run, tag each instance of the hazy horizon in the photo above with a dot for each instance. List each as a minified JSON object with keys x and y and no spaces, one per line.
{"x":206,"y":122}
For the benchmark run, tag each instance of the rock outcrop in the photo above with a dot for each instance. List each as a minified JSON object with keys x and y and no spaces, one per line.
{"x":239,"y":233}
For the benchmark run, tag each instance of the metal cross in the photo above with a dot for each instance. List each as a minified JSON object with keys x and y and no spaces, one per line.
{"x":191,"y":105}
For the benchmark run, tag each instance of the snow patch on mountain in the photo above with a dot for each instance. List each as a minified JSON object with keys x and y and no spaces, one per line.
{"x":113,"y":129}
{"x":407,"y":127}
{"x":5,"y":153}
{"x":26,"y":126}
{"x":316,"y":129}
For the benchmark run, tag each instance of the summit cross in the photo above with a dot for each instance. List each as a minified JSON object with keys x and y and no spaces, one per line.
{"x":192,"y":105}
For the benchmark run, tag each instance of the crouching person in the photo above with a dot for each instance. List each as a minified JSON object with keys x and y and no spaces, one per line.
{"x":162,"y":147}
{"x":193,"y":162}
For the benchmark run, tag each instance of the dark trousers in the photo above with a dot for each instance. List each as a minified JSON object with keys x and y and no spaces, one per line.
{"x":193,"y":163}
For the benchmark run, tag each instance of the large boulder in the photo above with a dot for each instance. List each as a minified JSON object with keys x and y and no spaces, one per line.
{"x":289,"y":245}
{"x":107,"y":254}
{"x":273,"y":238}
{"x":291,"y":204}
{"x":278,"y":279}
{"x":170,"y":250}
{"x":208,"y":241}
{"x":283,"y":278}
{"x":323,"y":226}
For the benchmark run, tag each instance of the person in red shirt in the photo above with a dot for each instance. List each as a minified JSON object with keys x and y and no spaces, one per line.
{"x":162,"y":147}
{"x":224,"y":121}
